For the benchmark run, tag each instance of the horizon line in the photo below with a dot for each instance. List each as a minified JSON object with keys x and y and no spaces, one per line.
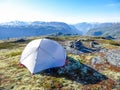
{"x":59,"y":21}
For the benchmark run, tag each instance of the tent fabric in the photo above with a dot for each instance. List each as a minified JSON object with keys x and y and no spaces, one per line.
{"x":42,"y":54}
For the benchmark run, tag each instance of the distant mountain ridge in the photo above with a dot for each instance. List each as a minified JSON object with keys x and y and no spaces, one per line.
{"x":85,"y":27}
{"x":16,"y":29}
{"x":99,"y":29}
{"x":106,"y":29}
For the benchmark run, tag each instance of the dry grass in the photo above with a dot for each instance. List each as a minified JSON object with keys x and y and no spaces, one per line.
{"x":14,"y":77}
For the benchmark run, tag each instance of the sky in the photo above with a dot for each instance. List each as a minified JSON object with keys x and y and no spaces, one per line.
{"x":68,"y":11}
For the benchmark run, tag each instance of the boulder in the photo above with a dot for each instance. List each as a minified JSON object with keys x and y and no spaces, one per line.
{"x":77,"y":47}
{"x":77,"y":44}
{"x":113,"y":57}
{"x":97,"y":60}
{"x":95,"y":44}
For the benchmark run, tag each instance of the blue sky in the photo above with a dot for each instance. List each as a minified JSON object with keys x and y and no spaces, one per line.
{"x":69,"y":11}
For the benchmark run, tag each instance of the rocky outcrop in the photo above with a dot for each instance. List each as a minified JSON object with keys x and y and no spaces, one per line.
{"x":77,"y":47}
{"x":113,"y":57}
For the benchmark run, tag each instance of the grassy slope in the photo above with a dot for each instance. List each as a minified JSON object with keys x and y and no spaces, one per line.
{"x":12,"y":76}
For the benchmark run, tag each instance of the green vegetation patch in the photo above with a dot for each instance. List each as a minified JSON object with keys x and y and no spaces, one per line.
{"x":13,"y":53}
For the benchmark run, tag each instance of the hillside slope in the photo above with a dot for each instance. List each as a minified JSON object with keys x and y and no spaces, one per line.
{"x":25,"y":29}
{"x":109,"y":29}
{"x":99,"y":29}
{"x":85,"y":27}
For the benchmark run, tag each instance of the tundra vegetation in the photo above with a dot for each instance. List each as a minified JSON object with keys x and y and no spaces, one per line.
{"x":78,"y":73}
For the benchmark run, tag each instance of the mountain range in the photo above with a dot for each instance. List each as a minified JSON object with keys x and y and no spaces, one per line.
{"x":99,"y":29}
{"x":24,"y":29}
{"x":17,"y":29}
{"x":106,"y":29}
{"x":85,"y":27}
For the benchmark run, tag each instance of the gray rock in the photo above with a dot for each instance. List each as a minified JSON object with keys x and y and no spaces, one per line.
{"x":73,"y":51}
{"x":77,"y":44}
{"x":97,"y":60}
{"x":113,"y":57}
{"x":104,"y":50}
{"x":76,"y":47}
{"x":94,"y":44}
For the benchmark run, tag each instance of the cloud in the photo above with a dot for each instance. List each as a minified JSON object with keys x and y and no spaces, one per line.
{"x":113,"y":4}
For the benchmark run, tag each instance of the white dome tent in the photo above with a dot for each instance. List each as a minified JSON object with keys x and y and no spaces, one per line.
{"x":42,"y":54}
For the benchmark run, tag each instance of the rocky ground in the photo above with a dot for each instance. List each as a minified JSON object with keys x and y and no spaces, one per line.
{"x":96,"y":69}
